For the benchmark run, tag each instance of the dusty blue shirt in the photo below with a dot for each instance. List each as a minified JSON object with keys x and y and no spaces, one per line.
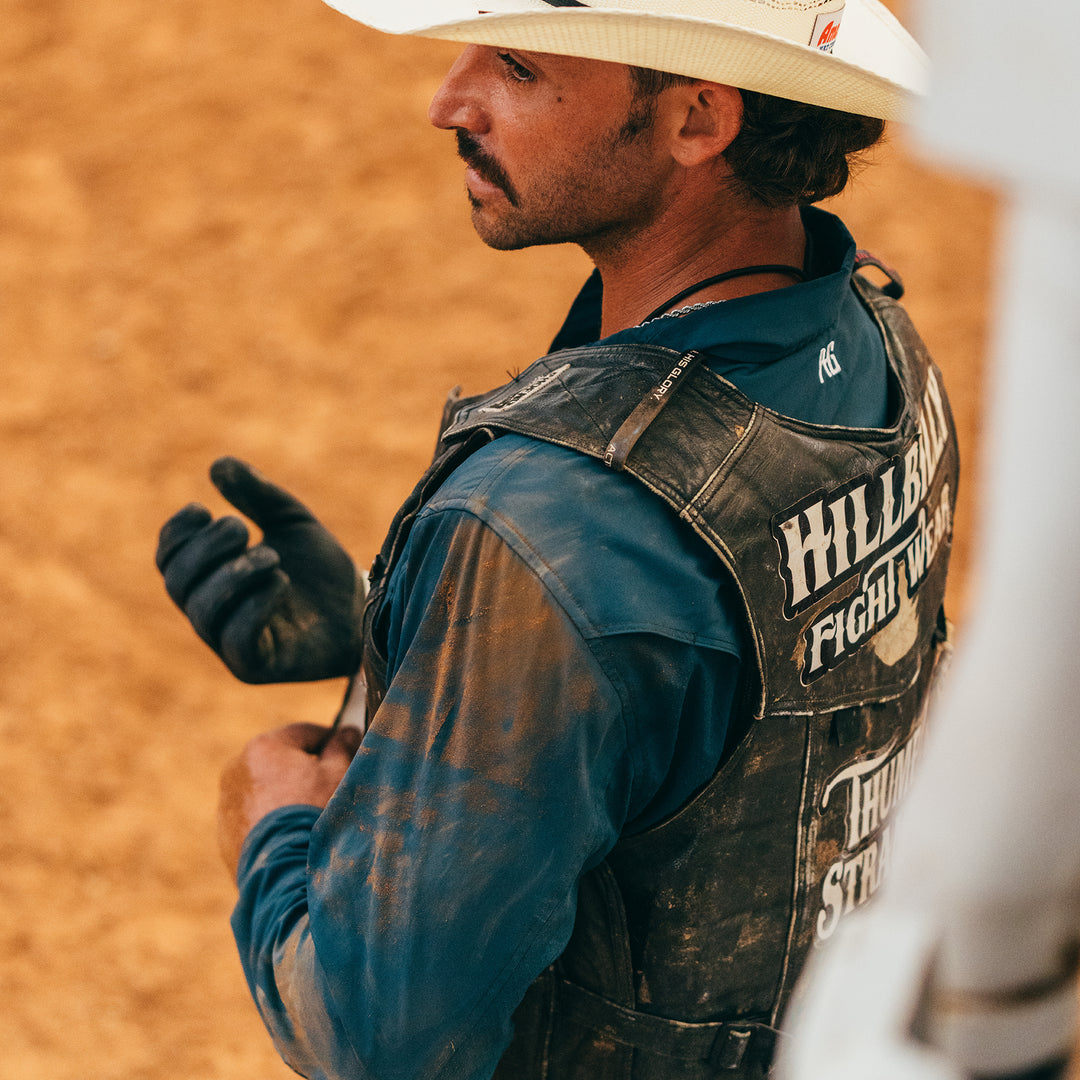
{"x":563,"y":660}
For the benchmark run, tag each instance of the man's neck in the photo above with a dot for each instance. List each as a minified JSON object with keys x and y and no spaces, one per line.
{"x":671,"y":255}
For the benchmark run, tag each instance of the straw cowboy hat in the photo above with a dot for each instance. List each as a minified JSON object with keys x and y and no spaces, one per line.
{"x":854,"y":57}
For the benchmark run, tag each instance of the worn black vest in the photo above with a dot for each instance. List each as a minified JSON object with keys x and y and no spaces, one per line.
{"x":689,"y":936}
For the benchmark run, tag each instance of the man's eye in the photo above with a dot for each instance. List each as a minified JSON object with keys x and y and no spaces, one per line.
{"x":517,"y":72}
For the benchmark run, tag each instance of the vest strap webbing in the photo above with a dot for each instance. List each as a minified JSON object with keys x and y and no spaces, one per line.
{"x":724,"y":1045}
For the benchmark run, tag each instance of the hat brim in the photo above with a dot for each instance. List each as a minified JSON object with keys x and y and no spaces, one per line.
{"x":875,"y":69}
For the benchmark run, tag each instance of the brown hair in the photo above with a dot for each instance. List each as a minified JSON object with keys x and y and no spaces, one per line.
{"x":786,"y":153}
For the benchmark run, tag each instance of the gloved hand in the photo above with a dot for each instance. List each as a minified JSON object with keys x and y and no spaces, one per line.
{"x":284,"y":610}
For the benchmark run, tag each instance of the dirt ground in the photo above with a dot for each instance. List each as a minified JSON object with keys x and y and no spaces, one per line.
{"x":227,"y":228}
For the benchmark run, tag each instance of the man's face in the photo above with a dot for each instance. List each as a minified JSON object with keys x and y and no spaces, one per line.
{"x":558,"y":148}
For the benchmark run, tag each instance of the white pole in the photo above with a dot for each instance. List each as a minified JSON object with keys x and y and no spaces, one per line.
{"x":966,"y":963}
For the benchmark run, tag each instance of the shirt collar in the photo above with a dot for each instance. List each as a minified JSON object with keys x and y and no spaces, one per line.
{"x":758,"y":328}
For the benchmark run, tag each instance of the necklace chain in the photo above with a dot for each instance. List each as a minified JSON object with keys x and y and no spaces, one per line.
{"x":679,"y":312}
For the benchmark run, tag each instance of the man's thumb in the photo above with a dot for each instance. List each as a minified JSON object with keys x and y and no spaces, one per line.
{"x":252,"y":494}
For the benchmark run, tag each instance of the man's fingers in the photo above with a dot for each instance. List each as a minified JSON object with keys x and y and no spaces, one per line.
{"x":343,"y":744}
{"x":178,"y":530}
{"x":203,"y":552}
{"x":257,"y":643}
{"x":214,"y":599}
{"x":268,"y":505}
{"x":337,"y":747}
{"x":306,"y":737}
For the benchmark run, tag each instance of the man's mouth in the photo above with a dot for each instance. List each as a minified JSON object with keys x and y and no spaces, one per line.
{"x":484,"y":171}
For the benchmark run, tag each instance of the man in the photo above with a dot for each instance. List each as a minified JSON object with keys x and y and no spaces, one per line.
{"x":647,"y":649}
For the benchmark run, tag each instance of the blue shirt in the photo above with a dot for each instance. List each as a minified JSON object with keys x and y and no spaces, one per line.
{"x":563,"y":659}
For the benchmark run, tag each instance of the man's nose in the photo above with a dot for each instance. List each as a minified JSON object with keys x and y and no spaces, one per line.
{"x":456,"y":103}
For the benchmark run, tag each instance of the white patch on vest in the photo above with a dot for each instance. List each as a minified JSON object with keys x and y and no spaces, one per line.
{"x":872,"y":529}
{"x":534,"y":387}
{"x":875,"y":787}
{"x":898,"y":638}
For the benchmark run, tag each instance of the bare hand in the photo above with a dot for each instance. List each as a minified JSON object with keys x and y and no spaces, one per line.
{"x":280,"y":768}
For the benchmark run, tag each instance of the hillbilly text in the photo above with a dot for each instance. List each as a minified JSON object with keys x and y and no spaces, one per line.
{"x":875,"y":527}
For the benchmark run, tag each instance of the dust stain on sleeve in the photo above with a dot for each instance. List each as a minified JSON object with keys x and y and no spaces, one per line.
{"x":287,"y":1018}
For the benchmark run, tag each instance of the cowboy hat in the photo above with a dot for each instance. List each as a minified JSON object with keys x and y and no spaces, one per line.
{"x":854,"y":57}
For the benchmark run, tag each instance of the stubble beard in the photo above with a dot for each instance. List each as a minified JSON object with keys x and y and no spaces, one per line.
{"x":594,"y":201}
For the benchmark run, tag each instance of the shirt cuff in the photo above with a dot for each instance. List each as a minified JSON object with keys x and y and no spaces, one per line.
{"x":285,"y":826}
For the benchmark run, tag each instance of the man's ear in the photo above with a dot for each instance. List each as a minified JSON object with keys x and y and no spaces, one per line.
{"x":711,"y":116}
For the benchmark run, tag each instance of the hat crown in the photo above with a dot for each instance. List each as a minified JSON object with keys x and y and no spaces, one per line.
{"x":804,"y":22}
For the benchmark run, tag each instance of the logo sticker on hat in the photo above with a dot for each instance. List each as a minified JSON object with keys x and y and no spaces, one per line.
{"x":825,"y":30}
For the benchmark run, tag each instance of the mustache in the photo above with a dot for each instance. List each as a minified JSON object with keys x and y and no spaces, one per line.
{"x":476,"y":157}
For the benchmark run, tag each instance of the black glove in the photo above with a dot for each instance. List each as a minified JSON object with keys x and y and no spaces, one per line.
{"x":284,"y":610}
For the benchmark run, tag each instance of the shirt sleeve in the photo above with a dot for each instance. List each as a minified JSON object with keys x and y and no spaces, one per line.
{"x":272,"y":931}
{"x":396,"y":940}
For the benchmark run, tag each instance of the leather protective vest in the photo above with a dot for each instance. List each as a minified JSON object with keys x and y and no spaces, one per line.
{"x":689,"y":937}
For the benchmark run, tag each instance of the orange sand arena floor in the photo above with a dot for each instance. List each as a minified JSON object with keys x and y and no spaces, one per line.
{"x":228,"y":228}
